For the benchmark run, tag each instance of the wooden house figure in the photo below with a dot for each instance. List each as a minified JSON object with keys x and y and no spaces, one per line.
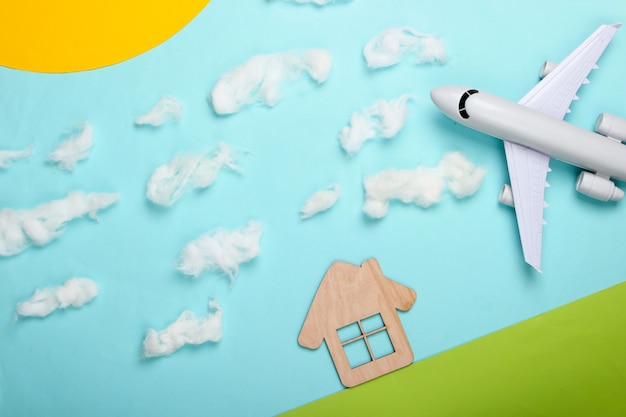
{"x":354,"y":306}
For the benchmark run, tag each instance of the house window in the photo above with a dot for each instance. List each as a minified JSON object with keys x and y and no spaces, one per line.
{"x":365,"y":340}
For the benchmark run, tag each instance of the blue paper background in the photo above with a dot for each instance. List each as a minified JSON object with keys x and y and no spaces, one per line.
{"x":463,"y":257}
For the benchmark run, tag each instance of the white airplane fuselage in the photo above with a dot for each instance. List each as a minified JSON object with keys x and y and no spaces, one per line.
{"x":515,"y":123}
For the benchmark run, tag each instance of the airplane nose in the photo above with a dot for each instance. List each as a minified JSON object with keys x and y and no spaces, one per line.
{"x":446,"y":98}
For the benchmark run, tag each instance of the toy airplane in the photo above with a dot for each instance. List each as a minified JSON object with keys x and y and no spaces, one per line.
{"x":533,"y":131}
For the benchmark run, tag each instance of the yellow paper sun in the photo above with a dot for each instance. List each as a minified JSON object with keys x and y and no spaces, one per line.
{"x":77,"y":35}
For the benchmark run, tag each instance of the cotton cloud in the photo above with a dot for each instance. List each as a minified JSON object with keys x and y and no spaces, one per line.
{"x":168,"y":181}
{"x":222,"y":250}
{"x":422,"y":186}
{"x":74,"y":149}
{"x":462,"y":176}
{"x":391,"y":45}
{"x":187,"y":329}
{"x":167,"y":109}
{"x":382,"y":119}
{"x":319,"y":2}
{"x":76,"y":292}
{"x":8,"y":157}
{"x":21,"y":228}
{"x":262,"y":78}
{"x":320,"y":201}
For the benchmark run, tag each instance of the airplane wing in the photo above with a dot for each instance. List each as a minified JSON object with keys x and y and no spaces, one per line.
{"x":528,"y":168}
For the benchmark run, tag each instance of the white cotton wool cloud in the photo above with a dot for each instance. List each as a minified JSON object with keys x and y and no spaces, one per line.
{"x":167,"y":109}
{"x":39,"y":226}
{"x":462,"y":177}
{"x":187,"y":329}
{"x":8,"y":157}
{"x":75,"y":292}
{"x":382,"y":119}
{"x":168,"y":182}
{"x":222,"y":250}
{"x":321,"y":200}
{"x":422,"y":186}
{"x":392,"y":44}
{"x":319,"y":2}
{"x":74,"y":149}
{"x":262,"y":78}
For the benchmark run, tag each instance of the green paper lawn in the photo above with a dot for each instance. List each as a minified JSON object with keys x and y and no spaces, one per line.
{"x":568,"y":362}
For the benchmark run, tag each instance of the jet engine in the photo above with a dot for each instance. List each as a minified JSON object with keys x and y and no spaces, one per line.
{"x":506,"y":196}
{"x":547,"y":68}
{"x":611,"y":126}
{"x":598,"y":187}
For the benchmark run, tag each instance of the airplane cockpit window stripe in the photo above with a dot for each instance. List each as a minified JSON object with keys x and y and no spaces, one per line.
{"x":464,"y":97}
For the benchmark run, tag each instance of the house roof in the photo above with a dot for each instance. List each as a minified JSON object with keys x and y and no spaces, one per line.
{"x":349,"y":293}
